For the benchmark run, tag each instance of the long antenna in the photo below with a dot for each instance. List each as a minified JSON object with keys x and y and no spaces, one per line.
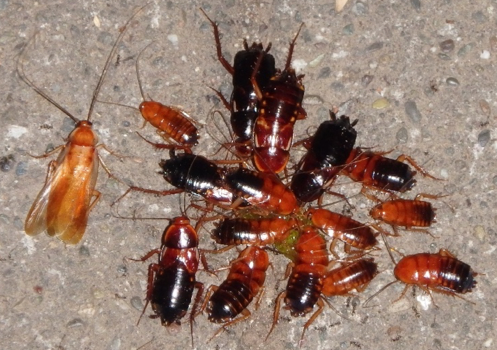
{"x":138,"y":71}
{"x":22,"y":75}
{"x":107,"y":63}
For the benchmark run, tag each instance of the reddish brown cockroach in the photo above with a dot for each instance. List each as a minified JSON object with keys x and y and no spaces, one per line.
{"x":280,"y":105}
{"x":65,"y":201}
{"x":245,"y":281}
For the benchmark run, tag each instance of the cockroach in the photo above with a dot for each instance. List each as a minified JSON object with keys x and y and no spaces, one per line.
{"x":171,"y":280}
{"x":440,"y":273}
{"x":245,"y":281}
{"x":171,"y":122}
{"x":263,"y":190}
{"x":344,"y":228}
{"x":328,"y":150}
{"x":198,"y":175}
{"x":405,"y":212}
{"x":305,"y":284}
{"x":258,"y":231}
{"x":193,"y":174}
{"x":374,"y":170}
{"x":65,"y":201}
{"x":243,"y":103}
{"x":356,"y":275}
{"x":280,"y":105}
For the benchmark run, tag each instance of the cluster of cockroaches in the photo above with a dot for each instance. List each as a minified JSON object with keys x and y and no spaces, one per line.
{"x":264,"y":105}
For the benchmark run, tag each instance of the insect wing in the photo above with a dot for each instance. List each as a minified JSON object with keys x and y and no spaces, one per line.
{"x":36,"y":221}
{"x":63,"y":205}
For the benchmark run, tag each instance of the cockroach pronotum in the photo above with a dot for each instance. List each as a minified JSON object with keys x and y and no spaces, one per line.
{"x":327,"y":152}
{"x":374,"y":170}
{"x":258,"y":231}
{"x":341,"y":227}
{"x":280,"y":105}
{"x":171,"y":280}
{"x":263,"y":190}
{"x":305,"y":284}
{"x":243,"y":103}
{"x":245,"y":281}
{"x":65,"y":201}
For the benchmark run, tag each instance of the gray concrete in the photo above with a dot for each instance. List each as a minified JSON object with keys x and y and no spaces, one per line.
{"x":88,"y":297}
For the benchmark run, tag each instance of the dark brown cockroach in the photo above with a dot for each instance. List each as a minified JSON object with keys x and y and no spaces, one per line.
{"x":327,"y":152}
{"x":243,"y":103}
{"x":258,"y":231}
{"x":263,"y":190}
{"x":305,"y":284}
{"x":405,"y":212}
{"x":193,"y":174}
{"x":344,"y":228}
{"x":171,"y":280}
{"x":245,"y":281}
{"x":440,"y":273}
{"x":374,"y":170}
{"x":356,"y":275}
{"x":64,"y":203}
{"x":280,"y":105}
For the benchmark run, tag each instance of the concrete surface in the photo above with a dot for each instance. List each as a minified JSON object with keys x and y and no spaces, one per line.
{"x":89,"y":297}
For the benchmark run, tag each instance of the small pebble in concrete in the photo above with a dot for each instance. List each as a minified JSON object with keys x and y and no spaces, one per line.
{"x":360,"y":8}
{"x":375,"y":46}
{"x":21,"y":168}
{"x":367,"y":79}
{"x":452,"y":81}
{"x":484,"y":137}
{"x":465,"y":49}
{"x":485,"y":107}
{"x":412,"y":111}
{"x":480,"y":233}
{"x":84,"y":251}
{"x":76,"y":322}
{"x":348,"y":29}
{"x":7,"y":163}
{"x":137,"y":303}
{"x":485,"y":55}
{"x":416,"y":4}
{"x":324,"y":73}
{"x":444,"y":56}
{"x":402,"y":135}
{"x":381,"y":103}
{"x":447,"y":45}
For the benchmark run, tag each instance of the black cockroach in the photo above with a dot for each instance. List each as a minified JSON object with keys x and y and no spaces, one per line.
{"x":327,"y":151}
{"x":171,"y":280}
{"x":243,"y":103}
{"x":374,"y":170}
